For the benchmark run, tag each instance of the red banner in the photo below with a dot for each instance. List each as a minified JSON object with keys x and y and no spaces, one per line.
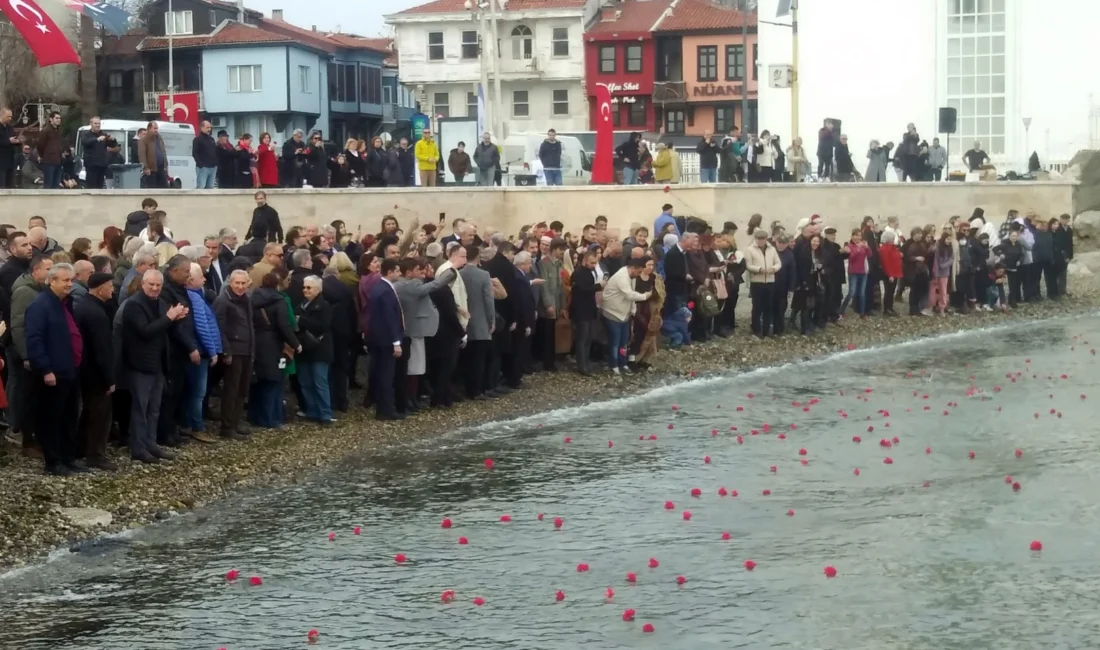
{"x":603,"y":167}
{"x":42,"y":34}
{"x":183,"y":109}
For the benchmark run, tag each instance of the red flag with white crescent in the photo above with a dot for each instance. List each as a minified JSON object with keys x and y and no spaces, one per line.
{"x":42,"y":34}
{"x":183,"y":109}
{"x":603,"y":166}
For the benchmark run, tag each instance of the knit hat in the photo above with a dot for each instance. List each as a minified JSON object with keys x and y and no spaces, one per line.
{"x":99,"y":279}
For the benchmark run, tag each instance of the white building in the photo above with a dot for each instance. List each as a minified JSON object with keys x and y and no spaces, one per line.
{"x":541,"y":62}
{"x":879,"y":64}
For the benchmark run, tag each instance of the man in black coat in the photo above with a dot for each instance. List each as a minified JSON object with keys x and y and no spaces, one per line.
{"x":19,"y":263}
{"x":522,"y":316}
{"x":204,"y":151}
{"x":345,"y":328}
{"x":182,"y":350}
{"x":253,"y":249}
{"x":9,"y":144}
{"x":268,"y":216}
{"x":146,"y":325}
{"x":97,"y":373}
{"x":227,"y":162}
{"x":676,"y":273}
{"x":290,"y":162}
{"x":582,"y":311}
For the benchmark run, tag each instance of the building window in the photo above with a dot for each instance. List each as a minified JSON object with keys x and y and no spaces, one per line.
{"x":435,"y":46}
{"x":523,"y":42}
{"x":114,"y":88}
{"x":305,"y":84}
{"x":560,"y":41}
{"x":723,"y":119}
{"x":976,"y":73}
{"x":561,"y":102}
{"x":755,"y":60}
{"x":470,"y":46}
{"x":633,"y":58}
{"x":708,"y":63}
{"x":387,"y":95}
{"x":607,"y":59}
{"x":213,"y":17}
{"x":471,"y":104}
{"x":370,"y":84}
{"x":616,"y":121}
{"x":674,"y":122}
{"x":520,"y":107}
{"x":178,"y":23}
{"x":441,"y":104}
{"x":637,"y":113}
{"x":735,"y":62}
{"x":245,"y":78}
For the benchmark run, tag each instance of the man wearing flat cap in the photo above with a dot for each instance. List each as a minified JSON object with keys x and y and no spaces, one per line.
{"x":97,"y":371}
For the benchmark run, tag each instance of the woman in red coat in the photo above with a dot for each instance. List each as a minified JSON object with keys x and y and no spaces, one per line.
{"x":266,"y":164}
{"x":890,"y":259}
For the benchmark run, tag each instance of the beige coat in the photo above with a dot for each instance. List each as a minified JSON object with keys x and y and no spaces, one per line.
{"x":762,"y":264}
{"x":619,"y":296}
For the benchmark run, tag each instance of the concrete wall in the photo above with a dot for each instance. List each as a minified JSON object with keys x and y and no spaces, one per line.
{"x":193,"y":214}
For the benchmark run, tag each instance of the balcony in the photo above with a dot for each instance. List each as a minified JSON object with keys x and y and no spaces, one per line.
{"x":152,"y":100}
{"x":393,"y":113}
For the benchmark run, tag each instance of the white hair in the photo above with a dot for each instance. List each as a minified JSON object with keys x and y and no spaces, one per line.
{"x":227,"y":232}
{"x":521,"y":258}
{"x":328,"y":231}
{"x":889,"y":237}
{"x":299,"y":258}
{"x":152,"y":274}
{"x":57,"y":268}
{"x":145,"y":257}
{"x":192,"y":253}
{"x":313,"y":281}
{"x":671,"y":239}
{"x":233,"y":274}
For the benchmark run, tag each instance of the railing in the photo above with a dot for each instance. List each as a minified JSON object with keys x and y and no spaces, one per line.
{"x":152,"y":100}
{"x":388,"y":112}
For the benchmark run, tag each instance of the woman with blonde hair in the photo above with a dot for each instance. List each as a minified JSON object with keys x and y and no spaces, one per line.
{"x":345,"y":269}
{"x":354,"y":160}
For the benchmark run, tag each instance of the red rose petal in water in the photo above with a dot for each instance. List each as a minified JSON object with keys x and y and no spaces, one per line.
{"x":766,"y":493}
{"x":706,"y":460}
{"x":1019,"y":453}
{"x":1008,"y":480}
{"x":1036,"y":545}
{"x":927,"y":450}
{"x":687,"y":515}
{"x":558,"y":522}
{"x":722,"y":492}
{"x":653,"y":563}
{"x":631,"y":577}
{"x":670,"y":505}
{"x":332,"y":537}
{"x":1016,"y":486}
{"x":255,"y":581}
{"x":446,"y":523}
{"x":773,"y":469}
{"x":582,"y":567}
{"x":888,"y":461}
{"x":802,"y":452}
{"x":312,"y":636}
{"x":232,"y":575}
{"x":749,"y":565}
{"x":804,"y":461}
{"x":400,"y":558}
{"x":970,"y":455}
{"x":653,"y":436}
{"x":696,"y":492}
{"x":463,"y":541}
{"x":857,"y":439}
{"x":504,"y":519}
{"x":790,"y":513}
{"x":479,"y":601}
{"x":609,"y":594}
{"x":830,"y":572}
{"x":726,"y":536}
{"x":648,"y":628}
{"x":855,"y":471}
{"x":540,"y":516}
{"x":628,"y":615}
{"x":782,"y":436}
{"x":488,"y":463}
{"x":356,"y":530}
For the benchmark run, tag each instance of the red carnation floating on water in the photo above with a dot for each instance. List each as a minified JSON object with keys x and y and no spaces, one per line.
{"x":691,"y":305}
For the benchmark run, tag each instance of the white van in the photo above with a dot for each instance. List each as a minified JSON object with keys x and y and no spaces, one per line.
{"x":177,"y":137}
{"x":520,"y":150}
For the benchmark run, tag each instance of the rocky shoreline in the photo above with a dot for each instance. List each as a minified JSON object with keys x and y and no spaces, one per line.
{"x":33,"y":519}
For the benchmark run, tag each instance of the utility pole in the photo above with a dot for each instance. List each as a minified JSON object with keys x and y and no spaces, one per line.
{"x":497,"y":98}
{"x":171,"y":66}
{"x":483,"y":54}
{"x":794,"y":71}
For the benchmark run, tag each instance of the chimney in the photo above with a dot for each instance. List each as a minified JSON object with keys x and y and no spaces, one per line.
{"x":313,"y":27}
{"x":277,"y":14}
{"x":240,"y":11}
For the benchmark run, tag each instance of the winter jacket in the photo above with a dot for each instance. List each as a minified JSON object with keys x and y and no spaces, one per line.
{"x":23,"y":293}
{"x":183,"y":334}
{"x":627,"y":152}
{"x":486,"y":156}
{"x":878,"y":162}
{"x":757,"y":260}
{"x":859,"y":259}
{"x":937,"y":157}
{"x":662,"y":166}
{"x":345,"y":318}
{"x":95,"y":152}
{"x":315,"y":317}
{"x":708,"y":154}
{"x":550,"y":154}
{"x":1013,"y":255}
{"x":206,"y":324}
{"x":269,"y":217}
{"x":375,"y":164}
{"x":49,"y":337}
{"x":582,"y":304}
{"x":271,"y":330}
{"x":1042,"y":251}
{"x":145,"y":329}
{"x":406,"y":163}
{"x":317,"y":166}
{"x":242,"y":174}
{"x":234,"y":314}
{"x":943,"y":262}
{"x":97,"y":365}
{"x":911,"y":266}
{"x":204,"y":150}
{"x":619,"y":296}
{"x":786,"y":278}
{"x":427,"y":155}
{"x":49,"y":146}
{"x":339,"y":175}
{"x":151,"y":152}
{"x":844,"y":164}
{"x":1063,"y":245}
{"x":459,"y":163}
{"x":552,"y":292}
{"x":267,"y":166}
{"x":227,"y":166}
{"x":890,"y":259}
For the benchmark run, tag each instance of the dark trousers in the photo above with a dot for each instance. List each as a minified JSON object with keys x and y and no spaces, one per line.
{"x":235,"y":382}
{"x":516,"y":360}
{"x":824,"y":166}
{"x":175,"y":382}
{"x":51,"y":177}
{"x":1028,"y":285}
{"x":582,"y":343}
{"x":779,"y":311}
{"x":19,"y":403}
{"x":763,"y":298}
{"x":265,"y":404}
{"x":120,"y":409}
{"x":95,"y":422}
{"x":544,"y":348}
{"x":7,"y":178}
{"x":701,"y":325}
{"x":475,"y":360}
{"x":146,"y":398}
{"x":444,"y":356}
{"x":94,"y":177}
{"x":1041,"y":271}
{"x":834,"y":290}
{"x":338,"y":374}
{"x":383,"y":367}
{"x":1015,"y":286}
{"x":56,"y":410}
{"x":890,"y":285}
{"x":155,"y":180}
{"x":918,"y":289}
{"x":1056,"y":280}
{"x":726,"y":320}
{"x":493,"y":368}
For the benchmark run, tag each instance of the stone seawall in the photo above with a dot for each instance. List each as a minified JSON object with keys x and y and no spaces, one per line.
{"x":193,"y":214}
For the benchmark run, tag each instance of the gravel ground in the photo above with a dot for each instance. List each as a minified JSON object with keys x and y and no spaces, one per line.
{"x":139,"y":494}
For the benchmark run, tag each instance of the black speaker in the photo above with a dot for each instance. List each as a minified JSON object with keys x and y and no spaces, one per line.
{"x":948,"y":119}
{"x":836,"y":126}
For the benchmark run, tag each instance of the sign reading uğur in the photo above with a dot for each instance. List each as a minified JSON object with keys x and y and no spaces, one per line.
{"x":716,"y":90}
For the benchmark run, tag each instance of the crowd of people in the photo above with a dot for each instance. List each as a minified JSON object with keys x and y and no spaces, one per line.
{"x":132,"y":337}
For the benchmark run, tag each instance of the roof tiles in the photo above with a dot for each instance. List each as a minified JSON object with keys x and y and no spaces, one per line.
{"x":698,"y":15}
{"x":454,"y":6}
{"x":231,"y":34}
{"x":632,"y":16}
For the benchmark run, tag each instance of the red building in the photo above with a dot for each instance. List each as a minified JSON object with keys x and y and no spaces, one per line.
{"x":619,"y":52}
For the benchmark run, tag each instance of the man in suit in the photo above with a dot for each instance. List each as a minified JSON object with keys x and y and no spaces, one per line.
{"x":226,"y":251}
{"x":676,"y":273}
{"x":421,"y":322}
{"x":523,"y":311}
{"x":583,"y":311}
{"x":384,"y":338}
{"x":212,"y":268}
{"x":479,"y":331}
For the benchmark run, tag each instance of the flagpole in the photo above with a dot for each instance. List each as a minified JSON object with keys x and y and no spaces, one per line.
{"x":171,"y":68}
{"x":794,"y":70}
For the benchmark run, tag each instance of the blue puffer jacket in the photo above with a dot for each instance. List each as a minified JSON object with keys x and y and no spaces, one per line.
{"x":206,"y":325}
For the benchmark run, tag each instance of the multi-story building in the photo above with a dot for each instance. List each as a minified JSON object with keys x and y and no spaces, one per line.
{"x":1011,"y":68}
{"x":620,"y":54}
{"x":706,"y":73}
{"x":540,"y":62}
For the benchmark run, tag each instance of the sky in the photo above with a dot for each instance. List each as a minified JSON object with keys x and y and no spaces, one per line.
{"x":328,"y":14}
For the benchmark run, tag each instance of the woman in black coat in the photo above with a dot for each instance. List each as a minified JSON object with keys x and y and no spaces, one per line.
{"x":341,"y":171}
{"x":377,"y":160}
{"x":444,"y":346}
{"x":271,"y":322}
{"x":315,"y":336}
{"x":316,"y":162}
{"x":344,"y":325}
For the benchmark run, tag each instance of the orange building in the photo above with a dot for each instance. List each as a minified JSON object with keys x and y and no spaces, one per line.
{"x":706,"y":67}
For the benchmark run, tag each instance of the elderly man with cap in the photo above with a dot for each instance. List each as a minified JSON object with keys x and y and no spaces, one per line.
{"x":97,"y":370}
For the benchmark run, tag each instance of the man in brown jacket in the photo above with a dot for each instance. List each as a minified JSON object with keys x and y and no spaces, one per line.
{"x":154,"y":159}
{"x":49,"y":152}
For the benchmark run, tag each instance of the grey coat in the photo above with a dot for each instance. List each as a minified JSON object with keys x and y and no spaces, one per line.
{"x":876,"y":169}
{"x":479,"y":302}
{"x":421,"y":316}
{"x":551,"y":293}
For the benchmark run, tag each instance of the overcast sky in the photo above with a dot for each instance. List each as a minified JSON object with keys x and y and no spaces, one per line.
{"x":365,"y":19}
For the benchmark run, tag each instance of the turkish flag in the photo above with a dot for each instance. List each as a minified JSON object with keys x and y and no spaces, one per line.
{"x":42,"y":34}
{"x":603,"y":167}
{"x":184,"y":109}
